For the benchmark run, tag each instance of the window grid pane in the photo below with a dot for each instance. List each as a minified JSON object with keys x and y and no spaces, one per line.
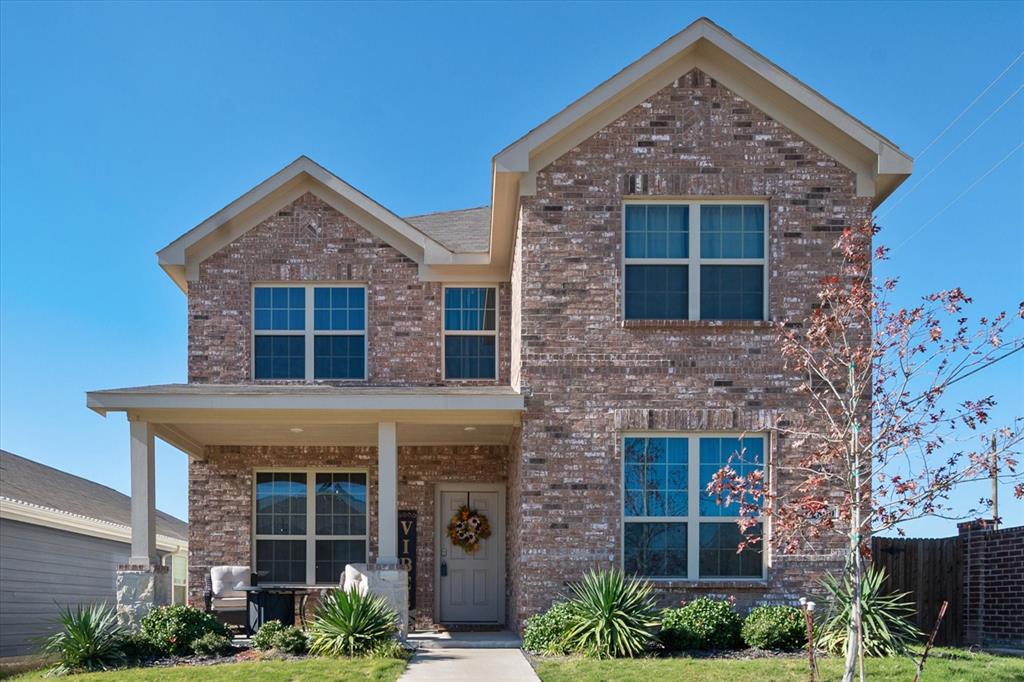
{"x":657,"y":292}
{"x":731,"y":231}
{"x":339,"y":308}
{"x":655,"y":550}
{"x":279,"y":357}
{"x":333,"y":555}
{"x":469,"y":357}
{"x":280,"y":503}
{"x":279,"y":309}
{"x":718,"y":556}
{"x":657,"y":231}
{"x":341,"y":504}
{"x":656,"y":477}
{"x":281,"y":561}
{"x":731,"y":292}
{"x":339,"y":357}
{"x":470,"y":308}
{"x":747,"y":456}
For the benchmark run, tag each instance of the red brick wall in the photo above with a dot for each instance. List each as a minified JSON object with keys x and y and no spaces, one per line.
{"x":589,"y":377}
{"x":403,"y":313}
{"x":221,"y":485}
{"x":993,"y":597}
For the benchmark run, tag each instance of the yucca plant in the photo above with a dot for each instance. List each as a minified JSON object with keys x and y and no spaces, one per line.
{"x":884,"y":617}
{"x":349,"y":623}
{"x":89,"y":639}
{"x":611,"y":615}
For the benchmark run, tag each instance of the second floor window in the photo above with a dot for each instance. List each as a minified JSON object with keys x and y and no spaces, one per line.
{"x":695,"y":261}
{"x":470,"y":333}
{"x":309,"y":332}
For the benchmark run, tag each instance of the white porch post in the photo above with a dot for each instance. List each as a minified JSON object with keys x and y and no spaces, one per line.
{"x":387,"y":494}
{"x":143,"y":510}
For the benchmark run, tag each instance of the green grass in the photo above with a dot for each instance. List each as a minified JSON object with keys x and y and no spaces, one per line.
{"x":336,"y":670}
{"x":945,"y":665}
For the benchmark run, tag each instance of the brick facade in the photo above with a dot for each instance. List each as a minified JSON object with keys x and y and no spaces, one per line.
{"x":311,"y":242}
{"x":993,"y":592}
{"x":221,"y":499}
{"x":589,"y":376}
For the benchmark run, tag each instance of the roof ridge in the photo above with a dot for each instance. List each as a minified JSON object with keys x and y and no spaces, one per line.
{"x":454,"y":210}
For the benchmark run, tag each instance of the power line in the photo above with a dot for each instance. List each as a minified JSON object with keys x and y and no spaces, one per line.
{"x":960,"y":196}
{"x":952,"y":151}
{"x":968,"y":107}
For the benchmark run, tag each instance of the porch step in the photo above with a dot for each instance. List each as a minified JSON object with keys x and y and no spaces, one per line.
{"x":500,"y":639}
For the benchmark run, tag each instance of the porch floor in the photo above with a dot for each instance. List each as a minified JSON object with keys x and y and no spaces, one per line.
{"x":496,"y":639}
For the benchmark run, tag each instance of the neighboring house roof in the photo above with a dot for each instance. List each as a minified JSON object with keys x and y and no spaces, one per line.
{"x":476,"y":244}
{"x":36,"y":493}
{"x":467,"y":230}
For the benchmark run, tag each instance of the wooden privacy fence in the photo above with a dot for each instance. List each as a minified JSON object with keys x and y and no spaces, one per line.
{"x":931,"y":570}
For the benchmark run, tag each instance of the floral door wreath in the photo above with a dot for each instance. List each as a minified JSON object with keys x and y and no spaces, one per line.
{"x":467,"y":528}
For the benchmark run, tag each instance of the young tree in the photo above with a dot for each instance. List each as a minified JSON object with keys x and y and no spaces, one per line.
{"x":884,"y":438}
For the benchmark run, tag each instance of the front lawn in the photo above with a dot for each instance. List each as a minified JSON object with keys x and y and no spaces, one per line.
{"x":337,"y":670}
{"x":944,"y":665}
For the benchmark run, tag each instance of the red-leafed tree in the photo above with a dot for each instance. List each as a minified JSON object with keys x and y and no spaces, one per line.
{"x":885,"y":437}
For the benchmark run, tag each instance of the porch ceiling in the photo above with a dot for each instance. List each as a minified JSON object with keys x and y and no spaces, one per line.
{"x":191,"y":416}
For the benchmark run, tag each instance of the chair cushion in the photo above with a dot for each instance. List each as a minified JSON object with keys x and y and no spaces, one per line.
{"x":228,"y":581}
{"x":228,"y":604}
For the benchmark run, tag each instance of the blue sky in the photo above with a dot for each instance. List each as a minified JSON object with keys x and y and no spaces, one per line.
{"x":123,"y":125}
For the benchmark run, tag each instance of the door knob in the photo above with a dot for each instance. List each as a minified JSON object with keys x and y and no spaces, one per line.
{"x":444,"y":569}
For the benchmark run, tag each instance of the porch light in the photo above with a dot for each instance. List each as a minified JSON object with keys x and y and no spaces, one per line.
{"x":469,"y":428}
{"x":295,"y":429}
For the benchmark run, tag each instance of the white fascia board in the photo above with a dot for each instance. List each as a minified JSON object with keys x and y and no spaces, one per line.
{"x":123,"y":401}
{"x":25,"y":512}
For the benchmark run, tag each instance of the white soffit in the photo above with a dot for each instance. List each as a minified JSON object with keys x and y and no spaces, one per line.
{"x":181,"y":258}
{"x":879,"y":164}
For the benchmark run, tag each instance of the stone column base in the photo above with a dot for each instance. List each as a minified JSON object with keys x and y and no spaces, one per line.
{"x":389,"y":581}
{"x":139,"y":589}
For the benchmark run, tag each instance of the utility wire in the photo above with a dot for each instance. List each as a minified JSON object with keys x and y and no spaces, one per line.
{"x":968,"y":107}
{"x":960,"y":196}
{"x":952,"y":151}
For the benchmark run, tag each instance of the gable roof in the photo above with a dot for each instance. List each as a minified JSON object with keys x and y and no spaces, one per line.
{"x":476,"y":244}
{"x":46,"y":488}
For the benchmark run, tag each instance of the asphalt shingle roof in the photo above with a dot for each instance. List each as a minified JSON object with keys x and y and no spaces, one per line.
{"x":27,"y":481}
{"x":464,"y":231}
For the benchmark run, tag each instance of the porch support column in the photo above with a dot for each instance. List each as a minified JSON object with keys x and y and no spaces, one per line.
{"x":143,"y":510}
{"x":387,"y":494}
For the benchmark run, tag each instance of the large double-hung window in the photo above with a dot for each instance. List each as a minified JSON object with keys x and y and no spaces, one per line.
{"x":309,"y":332}
{"x":695,"y":260}
{"x":672,"y":527}
{"x":308,"y":525}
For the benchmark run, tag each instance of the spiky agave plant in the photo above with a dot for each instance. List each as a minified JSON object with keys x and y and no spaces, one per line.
{"x":349,"y":623}
{"x":884,"y":617}
{"x":611,"y":615}
{"x":89,"y":639}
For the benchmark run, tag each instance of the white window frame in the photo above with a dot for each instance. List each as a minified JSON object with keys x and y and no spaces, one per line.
{"x":310,"y":537}
{"x":694,"y":260}
{"x":445,"y":333}
{"x":693,"y":519}
{"x":309,"y":332}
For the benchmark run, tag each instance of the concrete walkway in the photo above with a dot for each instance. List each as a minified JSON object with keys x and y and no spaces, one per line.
{"x":467,"y":657}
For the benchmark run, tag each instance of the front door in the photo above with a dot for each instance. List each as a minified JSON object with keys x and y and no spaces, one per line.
{"x":470,"y":591}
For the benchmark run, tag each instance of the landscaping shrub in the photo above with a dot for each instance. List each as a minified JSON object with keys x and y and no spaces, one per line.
{"x":610,"y":615}
{"x":264,"y":637}
{"x":89,"y":639}
{"x":704,"y":623}
{"x":211,"y":644}
{"x":775,"y":627}
{"x":544,"y":633}
{"x":391,"y":649}
{"x":347,"y":623}
{"x":136,"y":647}
{"x":173,"y":629}
{"x":885,"y":626}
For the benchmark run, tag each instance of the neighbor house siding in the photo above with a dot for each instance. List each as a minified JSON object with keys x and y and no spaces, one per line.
{"x":42,"y":570}
{"x":310,"y":242}
{"x":590,"y":376}
{"x":221,"y":488}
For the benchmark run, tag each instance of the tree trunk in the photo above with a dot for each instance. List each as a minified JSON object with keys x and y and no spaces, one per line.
{"x":853,"y":634}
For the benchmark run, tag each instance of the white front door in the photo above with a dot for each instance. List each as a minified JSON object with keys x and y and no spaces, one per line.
{"x":470,"y":590}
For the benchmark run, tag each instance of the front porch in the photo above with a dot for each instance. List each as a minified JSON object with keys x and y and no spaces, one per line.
{"x":299,"y":481}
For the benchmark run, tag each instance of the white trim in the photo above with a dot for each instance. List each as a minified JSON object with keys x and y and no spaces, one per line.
{"x":309,"y":332}
{"x":311,"y":536}
{"x":439,"y":524}
{"x":694,"y":260}
{"x":693,"y":519}
{"x":26,"y":512}
{"x":483,"y":332}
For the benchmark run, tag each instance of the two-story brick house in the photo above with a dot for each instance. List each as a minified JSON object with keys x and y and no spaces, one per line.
{"x":573,"y":361}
